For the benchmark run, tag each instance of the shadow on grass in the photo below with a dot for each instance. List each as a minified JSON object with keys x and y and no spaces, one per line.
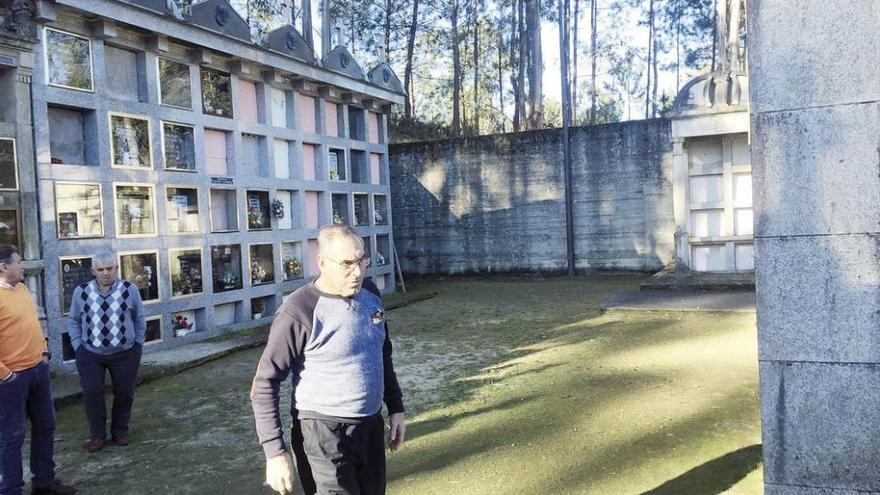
{"x":445,"y":422}
{"x":715,"y":476}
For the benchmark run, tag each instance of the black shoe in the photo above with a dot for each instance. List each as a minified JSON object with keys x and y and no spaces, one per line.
{"x":56,"y":488}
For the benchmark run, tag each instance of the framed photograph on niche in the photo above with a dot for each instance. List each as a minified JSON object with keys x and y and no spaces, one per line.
{"x":78,"y":210}
{"x":178,"y":147}
{"x":142,"y":270}
{"x":216,"y":93}
{"x":68,"y":60}
{"x":9,"y":227}
{"x":182,"y":210}
{"x":175,"y":85}
{"x":226,"y":268}
{"x":258,"y":217}
{"x":130,"y":141}
{"x":8,"y":168}
{"x":74,"y":271}
{"x":186,"y":271}
{"x":134,"y":210}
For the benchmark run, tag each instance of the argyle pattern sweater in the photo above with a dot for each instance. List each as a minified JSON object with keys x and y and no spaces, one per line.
{"x":106,"y":323}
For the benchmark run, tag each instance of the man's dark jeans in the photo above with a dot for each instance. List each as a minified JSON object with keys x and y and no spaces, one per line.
{"x":27,"y":397}
{"x":123,"y":367}
{"x":346,"y":459}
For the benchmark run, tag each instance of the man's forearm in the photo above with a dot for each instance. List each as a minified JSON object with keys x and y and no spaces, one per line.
{"x":267,"y":416}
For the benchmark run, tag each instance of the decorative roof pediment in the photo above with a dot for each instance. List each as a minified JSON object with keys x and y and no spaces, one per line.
{"x":712,"y":93}
{"x":288,"y":41}
{"x":339,"y":60}
{"x":218,"y":15}
{"x":383,"y":76}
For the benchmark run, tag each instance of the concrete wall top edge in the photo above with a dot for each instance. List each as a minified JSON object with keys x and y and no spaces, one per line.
{"x":535,"y":135}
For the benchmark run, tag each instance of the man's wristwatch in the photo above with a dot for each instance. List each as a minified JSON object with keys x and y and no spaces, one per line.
{"x":47,"y":356}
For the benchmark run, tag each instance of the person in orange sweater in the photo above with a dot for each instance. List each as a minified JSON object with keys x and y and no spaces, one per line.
{"x":24,"y":385}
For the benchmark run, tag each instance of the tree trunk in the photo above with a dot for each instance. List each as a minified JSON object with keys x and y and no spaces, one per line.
{"x":408,"y":106}
{"x":594,"y":12}
{"x":650,"y":54}
{"x":573,"y":83}
{"x":307,"y":22}
{"x":501,"y":83}
{"x":326,"y":22}
{"x":715,"y":35}
{"x":564,"y":52}
{"x":678,"y":15}
{"x":654,"y":60}
{"x":456,"y":70}
{"x":476,"y":70}
{"x":389,"y":6}
{"x":536,"y":93}
{"x":519,"y":115}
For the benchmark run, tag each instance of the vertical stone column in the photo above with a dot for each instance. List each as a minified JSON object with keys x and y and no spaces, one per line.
{"x":815,"y":96}
{"x":680,"y":203}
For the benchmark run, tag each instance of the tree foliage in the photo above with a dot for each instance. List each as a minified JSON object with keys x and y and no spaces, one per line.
{"x":477,"y":66}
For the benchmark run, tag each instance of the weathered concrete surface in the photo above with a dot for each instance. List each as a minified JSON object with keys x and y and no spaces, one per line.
{"x":496,"y":203}
{"x":816,"y":150}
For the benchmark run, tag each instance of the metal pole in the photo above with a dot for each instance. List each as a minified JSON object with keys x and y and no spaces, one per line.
{"x":566,"y":123}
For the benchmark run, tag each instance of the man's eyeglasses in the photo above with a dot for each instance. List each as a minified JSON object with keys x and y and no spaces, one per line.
{"x":348,"y":265}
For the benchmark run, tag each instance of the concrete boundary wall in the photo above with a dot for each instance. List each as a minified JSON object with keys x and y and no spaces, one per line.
{"x":496,"y":203}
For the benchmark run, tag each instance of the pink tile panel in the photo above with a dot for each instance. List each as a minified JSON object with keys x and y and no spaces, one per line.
{"x":305,"y":112}
{"x":312,"y":210}
{"x":308,"y":161}
{"x":215,"y":152}
{"x":375,"y":168}
{"x":373,"y":120}
{"x":331,"y":121}
{"x":312,"y":257}
{"x":247,"y":101}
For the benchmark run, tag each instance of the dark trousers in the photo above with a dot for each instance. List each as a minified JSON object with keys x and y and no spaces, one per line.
{"x":123,"y":367}
{"x":27,"y":397}
{"x":346,"y":459}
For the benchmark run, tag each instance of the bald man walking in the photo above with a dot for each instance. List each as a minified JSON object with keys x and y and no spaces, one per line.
{"x":332,"y":338}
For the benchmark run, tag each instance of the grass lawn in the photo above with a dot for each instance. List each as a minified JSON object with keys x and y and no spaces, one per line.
{"x":513,"y":386}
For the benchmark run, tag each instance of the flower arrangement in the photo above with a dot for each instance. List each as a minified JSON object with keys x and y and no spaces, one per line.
{"x":380,"y":258}
{"x":334,"y":175}
{"x":337,"y":218}
{"x":255,"y":217}
{"x":182,"y":326}
{"x":228,"y":280}
{"x":378,"y":217}
{"x":181,"y":284}
{"x":258,"y":273}
{"x":277,"y":208}
{"x":292,"y":268}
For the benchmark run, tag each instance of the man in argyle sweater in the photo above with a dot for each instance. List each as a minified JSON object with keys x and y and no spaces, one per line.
{"x":107,"y":331}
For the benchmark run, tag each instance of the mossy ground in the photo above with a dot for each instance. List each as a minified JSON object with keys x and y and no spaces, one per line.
{"x":513,"y":386}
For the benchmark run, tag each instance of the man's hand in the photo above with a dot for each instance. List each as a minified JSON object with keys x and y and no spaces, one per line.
{"x":398,"y":431}
{"x":279,"y":473}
